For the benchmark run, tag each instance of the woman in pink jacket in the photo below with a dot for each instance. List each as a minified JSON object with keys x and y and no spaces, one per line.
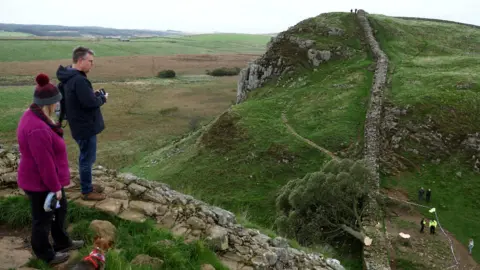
{"x":43,"y":169}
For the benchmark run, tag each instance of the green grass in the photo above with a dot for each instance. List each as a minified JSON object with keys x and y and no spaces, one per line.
{"x":14,"y":100}
{"x":428,"y":60}
{"x":35,"y":49}
{"x":131,"y":239}
{"x":406,"y":264}
{"x":245,"y":165}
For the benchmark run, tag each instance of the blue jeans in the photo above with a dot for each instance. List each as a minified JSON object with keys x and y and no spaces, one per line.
{"x":88,"y":155}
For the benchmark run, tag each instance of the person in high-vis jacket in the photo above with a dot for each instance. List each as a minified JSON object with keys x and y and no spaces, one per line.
{"x":433,"y":226}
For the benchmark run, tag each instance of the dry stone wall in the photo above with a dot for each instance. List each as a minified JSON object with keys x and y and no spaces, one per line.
{"x":136,"y":199}
{"x":374,"y":256}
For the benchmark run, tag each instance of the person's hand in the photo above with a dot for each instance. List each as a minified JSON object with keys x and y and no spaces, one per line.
{"x":58,"y":194}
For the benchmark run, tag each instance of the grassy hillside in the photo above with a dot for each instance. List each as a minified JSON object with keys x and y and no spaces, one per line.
{"x":247,"y":155}
{"x":34,"y":49}
{"x":243,"y":160}
{"x":429,"y":60}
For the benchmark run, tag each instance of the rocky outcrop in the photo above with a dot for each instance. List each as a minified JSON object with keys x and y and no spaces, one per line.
{"x":472,"y":146}
{"x":136,"y":199}
{"x":253,"y":77}
{"x":285,"y":53}
{"x":8,"y":166}
{"x":375,"y":256}
{"x":422,"y":140}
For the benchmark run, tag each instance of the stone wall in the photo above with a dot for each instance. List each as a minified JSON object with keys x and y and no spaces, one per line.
{"x":375,"y":256}
{"x":136,"y":199}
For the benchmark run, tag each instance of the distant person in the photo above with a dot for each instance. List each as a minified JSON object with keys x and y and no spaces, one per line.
{"x":421,"y":192}
{"x":470,"y":246}
{"x":433,"y":226}
{"x":428,"y":195}
{"x":423,"y":222}
{"x":82,"y":108}
{"x":43,"y":169}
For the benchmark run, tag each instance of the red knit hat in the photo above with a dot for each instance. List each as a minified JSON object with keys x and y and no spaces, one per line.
{"x":45,"y":92}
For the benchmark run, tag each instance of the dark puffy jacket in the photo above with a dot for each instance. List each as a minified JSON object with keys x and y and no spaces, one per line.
{"x":82,"y":105}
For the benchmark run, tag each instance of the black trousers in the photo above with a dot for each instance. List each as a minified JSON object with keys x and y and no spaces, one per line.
{"x":45,"y":222}
{"x":432,"y":230}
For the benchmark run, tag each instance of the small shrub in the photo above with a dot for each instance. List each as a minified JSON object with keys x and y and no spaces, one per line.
{"x":167,"y":111}
{"x":166,"y":73}
{"x":223,"y":71}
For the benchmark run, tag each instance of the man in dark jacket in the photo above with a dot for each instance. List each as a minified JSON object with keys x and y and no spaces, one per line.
{"x":82,"y":107}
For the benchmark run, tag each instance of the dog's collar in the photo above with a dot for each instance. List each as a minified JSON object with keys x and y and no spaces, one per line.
{"x":95,"y":253}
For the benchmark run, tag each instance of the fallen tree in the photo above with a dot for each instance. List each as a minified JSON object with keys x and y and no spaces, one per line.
{"x":325,"y":205}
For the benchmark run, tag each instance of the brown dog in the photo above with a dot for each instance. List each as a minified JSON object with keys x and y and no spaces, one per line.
{"x":96,"y":259}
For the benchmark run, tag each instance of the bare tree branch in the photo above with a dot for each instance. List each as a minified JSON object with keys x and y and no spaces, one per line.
{"x":360,"y":236}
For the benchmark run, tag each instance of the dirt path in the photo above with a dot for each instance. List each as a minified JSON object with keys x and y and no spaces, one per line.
{"x":407,"y":220}
{"x":16,"y":250}
{"x":307,"y":141}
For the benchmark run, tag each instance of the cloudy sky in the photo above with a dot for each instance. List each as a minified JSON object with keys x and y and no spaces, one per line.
{"x":246,"y":16}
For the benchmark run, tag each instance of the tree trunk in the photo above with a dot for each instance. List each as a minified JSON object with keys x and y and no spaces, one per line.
{"x":359,"y":235}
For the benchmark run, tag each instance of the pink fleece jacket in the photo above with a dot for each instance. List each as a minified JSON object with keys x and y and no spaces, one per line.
{"x":43,"y":156}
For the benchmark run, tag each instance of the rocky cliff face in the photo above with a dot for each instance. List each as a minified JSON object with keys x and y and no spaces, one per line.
{"x":135,"y":199}
{"x":422,"y":140}
{"x":290,"y":51}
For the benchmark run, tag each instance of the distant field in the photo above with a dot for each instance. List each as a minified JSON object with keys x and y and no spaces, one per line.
{"x":140,"y":116}
{"x":14,"y":34}
{"x":35,"y":49}
{"x":239,"y":38}
{"x":124,"y":67}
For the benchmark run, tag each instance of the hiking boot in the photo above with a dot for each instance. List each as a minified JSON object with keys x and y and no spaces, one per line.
{"x":59,"y":257}
{"x":76,"y":244}
{"x":98,"y":188}
{"x":94,"y":196}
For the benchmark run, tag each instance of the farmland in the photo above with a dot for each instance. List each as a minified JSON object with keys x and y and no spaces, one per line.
{"x":143,"y":112}
{"x":30,"y":49}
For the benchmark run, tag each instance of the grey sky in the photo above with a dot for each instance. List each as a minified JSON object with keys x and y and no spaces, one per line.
{"x":246,"y":16}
